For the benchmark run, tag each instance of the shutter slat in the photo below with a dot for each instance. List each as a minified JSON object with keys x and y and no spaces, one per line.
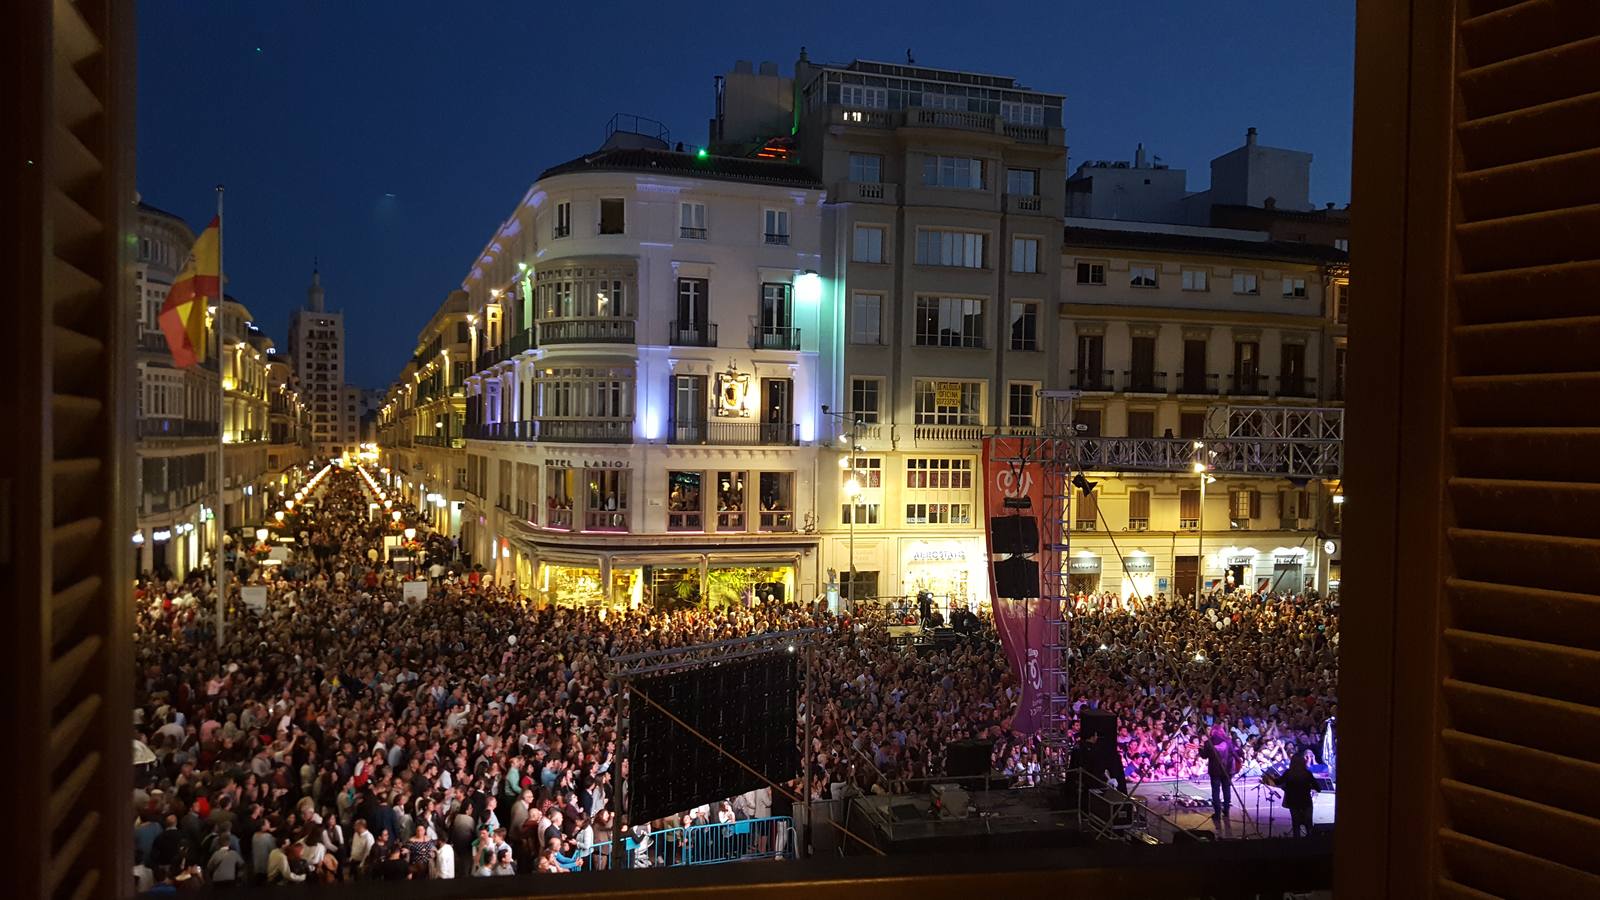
{"x":75,"y":39}
{"x":1542,"y":346}
{"x":86,"y":886}
{"x":1542,"y":400}
{"x":71,"y":788}
{"x":1512,"y":874}
{"x":1535,"y":507}
{"x":1550,"y":237}
{"x":1548,"y":129}
{"x":1543,"y":561}
{"x":1553,"y":454}
{"x":1548,"y":778}
{"x":1552,"y":617}
{"x":1529,"y":186}
{"x":68,"y":605}
{"x":1554,"y":726}
{"x":1526,"y":28}
{"x":67,"y":669}
{"x":1540,"y":292}
{"x":1547,"y":833}
{"x":1530,"y":79}
{"x":1531,"y":667}
{"x":70,"y":849}
{"x":71,"y":727}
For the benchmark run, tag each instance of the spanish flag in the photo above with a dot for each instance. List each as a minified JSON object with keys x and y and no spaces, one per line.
{"x":183,"y":314}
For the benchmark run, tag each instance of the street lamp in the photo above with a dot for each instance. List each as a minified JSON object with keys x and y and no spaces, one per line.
{"x":1203,"y":471}
{"x":852,"y":485}
{"x":278,"y":515}
{"x":410,"y":533}
{"x":395,"y":515}
{"x":261,"y":535}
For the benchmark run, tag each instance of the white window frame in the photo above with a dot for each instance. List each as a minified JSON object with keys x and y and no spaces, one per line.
{"x":955,"y":172}
{"x":692,"y":218}
{"x":1091,"y":263}
{"x":856,"y":250}
{"x":927,"y":411}
{"x":869,"y":416}
{"x":1196,"y":279}
{"x":944,"y":503}
{"x":860,"y":335}
{"x":1295,"y":288}
{"x":1032,"y":388}
{"x":867,"y":160}
{"x":952,"y":248}
{"x":1144,"y":275}
{"x":1025,"y":255}
{"x":967,"y":341}
{"x":1247,"y":284}
{"x":563,"y":224}
{"x":1011,"y":340}
{"x":775,"y":226}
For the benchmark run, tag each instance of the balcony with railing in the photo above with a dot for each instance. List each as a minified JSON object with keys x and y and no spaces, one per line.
{"x":1024,"y":204}
{"x":1092,"y":380}
{"x":153,"y":427}
{"x":586,"y":431}
{"x":603,"y":330}
{"x":1309,"y":457}
{"x":1200,"y":384}
{"x":961,"y":120}
{"x":244,"y":436}
{"x":693,"y":334}
{"x":774,"y":337}
{"x":605,"y":520}
{"x":525,"y":430}
{"x":734,"y":434}
{"x":523,"y":341}
{"x":957,"y":119}
{"x":865,"y":192}
{"x":1249,"y":384}
{"x":777,"y":239}
{"x":925,"y":435}
{"x":1297,"y":387}
{"x":441,"y":440}
{"x":1140,"y":382}
{"x":692,"y":234}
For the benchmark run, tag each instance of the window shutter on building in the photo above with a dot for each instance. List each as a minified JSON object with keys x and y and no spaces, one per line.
{"x":1088,"y":508}
{"x":1478,"y":177}
{"x":1189,"y":504}
{"x":1255,"y":504}
{"x":1139,"y":504}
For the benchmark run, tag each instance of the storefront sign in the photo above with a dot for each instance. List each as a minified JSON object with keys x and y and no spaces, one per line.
{"x":1083,"y":565}
{"x":1140,"y":565}
{"x":1287,"y":561}
{"x":161,"y":534}
{"x":1241,"y":560}
{"x":588,"y":464}
{"x":923,"y":555}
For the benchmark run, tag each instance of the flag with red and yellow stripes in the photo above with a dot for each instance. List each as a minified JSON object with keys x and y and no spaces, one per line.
{"x":183,"y":314}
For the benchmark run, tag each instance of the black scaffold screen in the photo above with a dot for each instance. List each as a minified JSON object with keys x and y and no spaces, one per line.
{"x":746,"y":706}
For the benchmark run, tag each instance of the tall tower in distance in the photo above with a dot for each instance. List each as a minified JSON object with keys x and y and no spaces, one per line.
{"x":316,"y":343}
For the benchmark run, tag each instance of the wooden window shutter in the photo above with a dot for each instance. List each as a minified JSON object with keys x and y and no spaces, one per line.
{"x":1189,"y":504}
{"x":1255,"y":504}
{"x":1478,"y":182}
{"x":1139,"y":504}
{"x":1088,"y":508}
{"x":67,"y":481}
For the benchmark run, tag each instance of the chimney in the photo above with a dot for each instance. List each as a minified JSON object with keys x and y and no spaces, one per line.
{"x":1138,"y":157}
{"x":1270,"y":203}
{"x":1250,"y":137}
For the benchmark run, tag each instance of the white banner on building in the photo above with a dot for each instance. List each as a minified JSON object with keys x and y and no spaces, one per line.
{"x":415,"y":591}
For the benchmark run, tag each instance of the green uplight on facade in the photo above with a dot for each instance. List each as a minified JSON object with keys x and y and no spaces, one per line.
{"x":702,"y":153}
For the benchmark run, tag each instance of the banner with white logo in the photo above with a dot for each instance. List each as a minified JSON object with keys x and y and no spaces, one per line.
{"x":1014,"y":485}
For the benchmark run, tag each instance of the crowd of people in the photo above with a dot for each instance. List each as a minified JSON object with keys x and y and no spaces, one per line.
{"x":343,"y":732}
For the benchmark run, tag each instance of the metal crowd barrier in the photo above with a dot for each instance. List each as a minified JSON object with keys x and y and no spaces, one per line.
{"x":698,"y":845}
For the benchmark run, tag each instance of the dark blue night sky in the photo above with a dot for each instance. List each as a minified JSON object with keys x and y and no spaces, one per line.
{"x":389,"y":139}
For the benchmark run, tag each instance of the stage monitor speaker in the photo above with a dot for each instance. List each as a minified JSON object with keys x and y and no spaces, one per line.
{"x":1014,"y":534}
{"x":1016,"y":578}
{"x":966,"y":758}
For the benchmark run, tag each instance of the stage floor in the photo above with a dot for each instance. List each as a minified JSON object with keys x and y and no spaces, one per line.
{"x":1257,"y":810}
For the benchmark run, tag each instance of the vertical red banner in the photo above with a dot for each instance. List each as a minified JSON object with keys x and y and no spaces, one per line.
{"x":1014,"y":484}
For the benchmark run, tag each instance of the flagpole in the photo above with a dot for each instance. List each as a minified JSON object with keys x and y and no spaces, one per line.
{"x":219,"y":512}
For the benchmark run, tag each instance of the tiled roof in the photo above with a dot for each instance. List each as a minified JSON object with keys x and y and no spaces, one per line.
{"x":1115,"y":239}
{"x":666,"y":162}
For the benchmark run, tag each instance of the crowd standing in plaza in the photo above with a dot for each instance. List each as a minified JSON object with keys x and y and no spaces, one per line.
{"x":343,"y":732}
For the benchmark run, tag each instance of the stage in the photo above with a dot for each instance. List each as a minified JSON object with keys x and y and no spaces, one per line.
{"x":975,"y":820}
{"x":1257,"y":810}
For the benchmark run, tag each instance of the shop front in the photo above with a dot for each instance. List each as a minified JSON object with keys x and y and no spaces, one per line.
{"x":1289,"y":570}
{"x":1083,"y":572}
{"x":1139,"y":575}
{"x":952,"y":569}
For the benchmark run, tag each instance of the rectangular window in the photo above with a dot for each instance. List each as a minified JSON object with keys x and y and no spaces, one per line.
{"x":692,"y":302}
{"x":1294,"y":288}
{"x":868,"y":244}
{"x":688,"y":409}
{"x":775,"y":323}
{"x":1091,"y":273}
{"x":777,"y":501}
{"x":1022,"y":113}
{"x":558,"y":494}
{"x":866,"y":319}
{"x":611,"y":216}
{"x":864,"y":393}
{"x":953,"y":172}
{"x":1244,"y":505}
{"x":939,"y":491}
{"x":860,"y":512}
{"x":1020,"y":404}
{"x":692,"y":221}
{"x":863,"y":586}
{"x":730,"y":501}
{"x":1022,"y":182}
{"x":1338,"y":372}
{"x":1194,"y":377}
{"x":1142,"y":350}
{"x":1024,"y":325}
{"x":1025,"y":255}
{"x":948,"y":402}
{"x":1191,"y":425}
{"x":776,"y":223}
{"x":1138,"y":510}
{"x":861,"y":481}
{"x":1292,"y":370}
{"x":863,"y":96}
{"x":1246,"y":363}
{"x":1341,"y":304}
{"x":1246,"y":283}
{"x":866,"y":470}
{"x":608,"y":499}
{"x":949,"y":322}
{"x":963,"y":249}
{"x":685,"y":510}
{"x":1141,"y":424}
{"x":866,"y":168}
{"x":1142,"y":275}
{"x":1085,"y":511}
{"x":1194,"y":280}
{"x":1189,"y":509}
{"x":1091,"y":374}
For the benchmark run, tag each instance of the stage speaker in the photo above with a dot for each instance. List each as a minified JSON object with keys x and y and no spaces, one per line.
{"x":1016,"y":578}
{"x":967,"y":758}
{"x":1014,"y":534}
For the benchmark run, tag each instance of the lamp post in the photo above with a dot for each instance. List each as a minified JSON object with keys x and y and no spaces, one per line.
{"x":852,"y":485}
{"x":1203,"y":471}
